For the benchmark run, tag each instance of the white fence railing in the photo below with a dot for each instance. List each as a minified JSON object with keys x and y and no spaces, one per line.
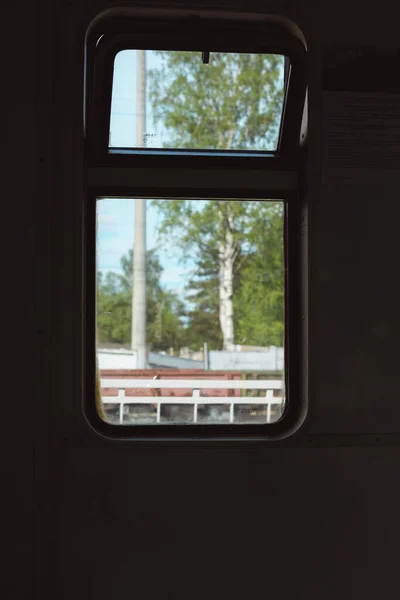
{"x":195,"y":385}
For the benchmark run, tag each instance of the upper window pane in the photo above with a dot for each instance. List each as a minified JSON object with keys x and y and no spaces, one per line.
{"x":176,"y":99}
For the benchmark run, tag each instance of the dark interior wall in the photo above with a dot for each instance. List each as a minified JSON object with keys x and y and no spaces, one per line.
{"x":317,"y":518}
{"x":20,"y":154}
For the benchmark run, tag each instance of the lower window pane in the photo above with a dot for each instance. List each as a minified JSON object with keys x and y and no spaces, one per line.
{"x":204,"y":281}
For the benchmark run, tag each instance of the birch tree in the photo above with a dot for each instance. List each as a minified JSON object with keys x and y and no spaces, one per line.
{"x":234,"y":102}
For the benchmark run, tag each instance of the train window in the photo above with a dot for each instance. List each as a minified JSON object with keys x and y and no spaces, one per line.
{"x":230,"y":102}
{"x":204,"y":281}
{"x":194,"y":290}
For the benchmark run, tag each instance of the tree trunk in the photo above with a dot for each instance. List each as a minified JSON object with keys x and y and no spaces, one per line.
{"x":226,"y":262}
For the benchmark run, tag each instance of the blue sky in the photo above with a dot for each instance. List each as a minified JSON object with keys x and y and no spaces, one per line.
{"x":123,"y":104}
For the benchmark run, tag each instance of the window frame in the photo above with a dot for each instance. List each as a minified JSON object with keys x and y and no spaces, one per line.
{"x":103,"y":44}
{"x":146,"y":173}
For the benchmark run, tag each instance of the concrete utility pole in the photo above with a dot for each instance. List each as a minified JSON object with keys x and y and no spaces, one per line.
{"x":139,"y":342}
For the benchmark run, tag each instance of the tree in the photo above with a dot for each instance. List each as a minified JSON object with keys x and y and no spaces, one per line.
{"x":114,"y":309}
{"x":203,"y":312}
{"x":259,"y":300}
{"x":233,"y":103}
{"x":249,"y":282}
{"x":216,"y":232}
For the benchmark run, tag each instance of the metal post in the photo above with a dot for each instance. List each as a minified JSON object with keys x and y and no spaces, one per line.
{"x":139,"y":342}
{"x":158,"y":412}
{"x":195,"y":396}
{"x":206,"y":357}
{"x":121,"y":396}
{"x":231,"y":413}
{"x":269,"y":397}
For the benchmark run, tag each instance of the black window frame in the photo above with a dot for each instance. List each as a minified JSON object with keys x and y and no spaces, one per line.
{"x":146,"y":173}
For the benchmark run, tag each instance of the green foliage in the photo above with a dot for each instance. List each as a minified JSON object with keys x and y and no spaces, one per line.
{"x":201,"y":225}
{"x":114,"y":307}
{"x":259,"y":299}
{"x":233,"y":102}
{"x":197,"y":229}
{"x":202,"y":297}
{"x":258,"y":281}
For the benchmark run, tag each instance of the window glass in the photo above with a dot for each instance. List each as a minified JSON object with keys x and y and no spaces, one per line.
{"x":176,"y":99}
{"x":206,"y":280}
